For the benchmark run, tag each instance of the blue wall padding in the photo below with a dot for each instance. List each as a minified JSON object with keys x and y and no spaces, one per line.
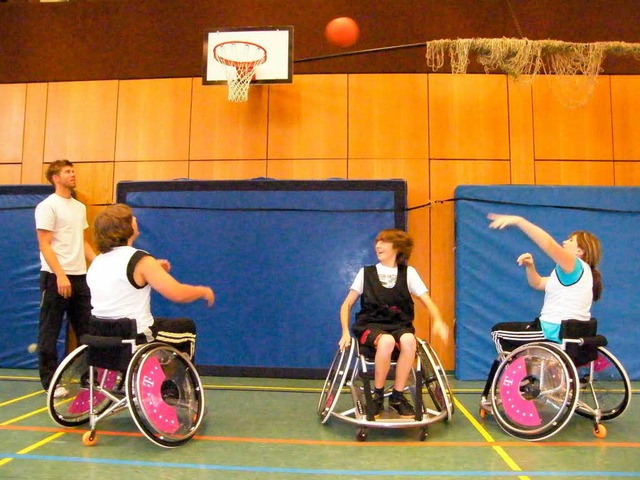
{"x":20,"y":265}
{"x":280,"y":256}
{"x":491,"y":287}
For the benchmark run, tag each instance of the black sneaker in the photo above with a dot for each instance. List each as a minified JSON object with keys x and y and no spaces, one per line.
{"x":377,"y":404}
{"x":402,"y":406}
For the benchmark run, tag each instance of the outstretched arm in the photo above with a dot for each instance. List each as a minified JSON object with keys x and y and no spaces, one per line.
{"x":553,"y":249}
{"x":345,"y":313}
{"x":149,"y":270}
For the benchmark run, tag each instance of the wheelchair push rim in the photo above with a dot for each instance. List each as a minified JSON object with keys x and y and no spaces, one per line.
{"x":435,"y":379}
{"x":165,"y":394}
{"x":535,"y":391}
{"x":605,"y":387}
{"x":73,"y":375}
{"x":334,"y":383}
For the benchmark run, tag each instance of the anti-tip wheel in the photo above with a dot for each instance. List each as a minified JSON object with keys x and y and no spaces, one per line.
{"x":362,"y":435}
{"x":422,"y":434}
{"x":599,"y":430}
{"x":89,"y":439}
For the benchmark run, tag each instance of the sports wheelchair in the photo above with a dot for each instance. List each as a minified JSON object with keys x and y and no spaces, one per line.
{"x":109,"y":373}
{"x":428,"y":387}
{"x":539,"y":385}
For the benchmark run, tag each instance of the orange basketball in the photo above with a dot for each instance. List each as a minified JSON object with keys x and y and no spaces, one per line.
{"x":342,"y":31}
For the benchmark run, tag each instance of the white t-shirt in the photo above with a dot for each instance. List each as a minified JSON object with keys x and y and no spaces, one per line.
{"x":67,"y":219}
{"x":112,"y":294}
{"x":388,"y":277}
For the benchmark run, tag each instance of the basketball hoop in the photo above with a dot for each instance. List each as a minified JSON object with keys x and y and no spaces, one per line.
{"x":240,"y":60}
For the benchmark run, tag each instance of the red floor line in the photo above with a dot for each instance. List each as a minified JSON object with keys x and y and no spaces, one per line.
{"x":427,"y":443}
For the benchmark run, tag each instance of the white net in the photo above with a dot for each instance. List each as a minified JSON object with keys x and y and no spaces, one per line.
{"x":240,"y":60}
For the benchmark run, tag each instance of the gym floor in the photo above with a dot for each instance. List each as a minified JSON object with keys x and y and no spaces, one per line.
{"x":269,"y":429}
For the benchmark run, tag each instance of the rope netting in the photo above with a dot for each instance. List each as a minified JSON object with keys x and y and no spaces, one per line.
{"x":522,"y":58}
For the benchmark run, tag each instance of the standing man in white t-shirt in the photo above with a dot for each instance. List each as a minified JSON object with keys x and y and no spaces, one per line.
{"x":64,"y":253}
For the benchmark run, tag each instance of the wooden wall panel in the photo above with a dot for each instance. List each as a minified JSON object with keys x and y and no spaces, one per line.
{"x":468,"y":117}
{"x":92,"y":211}
{"x":627,"y":174}
{"x":308,"y":119}
{"x":574,"y":173}
{"x":563,"y":131}
{"x":227,"y":169}
{"x":477,"y":129}
{"x":95,"y":182}
{"x":9,"y":174}
{"x":34,"y":132}
{"x":416,"y":173}
{"x":153,"y":119}
{"x":306,"y":169}
{"x":12,"y":121}
{"x":625,"y":109}
{"x":224,"y":130}
{"x":414,"y":170}
{"x":388,"y":116}
{"x":139,"y":171}
{"x":521,"y":130}
{"x":81,"y":121}
{"x":445,"y":176}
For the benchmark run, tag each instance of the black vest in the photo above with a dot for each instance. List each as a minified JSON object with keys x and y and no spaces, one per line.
{"x":385,"y":308}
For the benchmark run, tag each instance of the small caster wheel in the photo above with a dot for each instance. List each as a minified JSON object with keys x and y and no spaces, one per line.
{"x":422,"y":434}
{"x":362,"y":435}
{"x":599,"y":430}
{"x":89,"y":438}
{"x":483,"y":413}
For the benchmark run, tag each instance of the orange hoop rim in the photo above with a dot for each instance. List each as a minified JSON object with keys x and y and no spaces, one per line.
{"x":239,"y":64}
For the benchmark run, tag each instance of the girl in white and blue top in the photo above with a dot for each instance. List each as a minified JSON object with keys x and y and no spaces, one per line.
{"x":571,"y":288}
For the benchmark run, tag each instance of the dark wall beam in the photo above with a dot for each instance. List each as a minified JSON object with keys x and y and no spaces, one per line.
{"x":123,"y":39}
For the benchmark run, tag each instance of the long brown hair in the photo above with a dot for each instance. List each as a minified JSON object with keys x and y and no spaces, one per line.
{"x":591,"y":255}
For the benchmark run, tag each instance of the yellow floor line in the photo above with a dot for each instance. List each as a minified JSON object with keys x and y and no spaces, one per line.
{"x":487,"y":436}
{"x":30,"y":448}
{"x":26,"y":415}
{"x":14,"y":400}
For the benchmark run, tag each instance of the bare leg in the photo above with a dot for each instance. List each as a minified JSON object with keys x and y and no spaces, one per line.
{"x":405,"y":361}
{"x":384,"y":349}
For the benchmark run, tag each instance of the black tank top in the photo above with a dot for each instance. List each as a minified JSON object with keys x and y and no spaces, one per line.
{"x":385,"y":308}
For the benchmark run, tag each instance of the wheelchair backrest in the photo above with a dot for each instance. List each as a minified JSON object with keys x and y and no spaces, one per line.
{"x":106,"y":341}
{"x":580,"y":354}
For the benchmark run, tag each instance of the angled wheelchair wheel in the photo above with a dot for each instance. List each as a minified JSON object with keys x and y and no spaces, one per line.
{"x":165,"y":394}
{"x":534,"y":391}
{"x":604,"y":385}
{"x":435,"y":379}
{"x":336,"y":377}
{"x":73,"y":375}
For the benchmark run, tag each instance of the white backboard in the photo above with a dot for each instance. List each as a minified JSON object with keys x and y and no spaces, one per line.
{"x":277,"y":41}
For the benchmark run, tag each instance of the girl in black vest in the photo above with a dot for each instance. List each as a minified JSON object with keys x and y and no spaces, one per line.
{"x":385,"y":320}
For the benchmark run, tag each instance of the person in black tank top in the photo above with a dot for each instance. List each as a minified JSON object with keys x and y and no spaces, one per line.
{"x":384,"y":325}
